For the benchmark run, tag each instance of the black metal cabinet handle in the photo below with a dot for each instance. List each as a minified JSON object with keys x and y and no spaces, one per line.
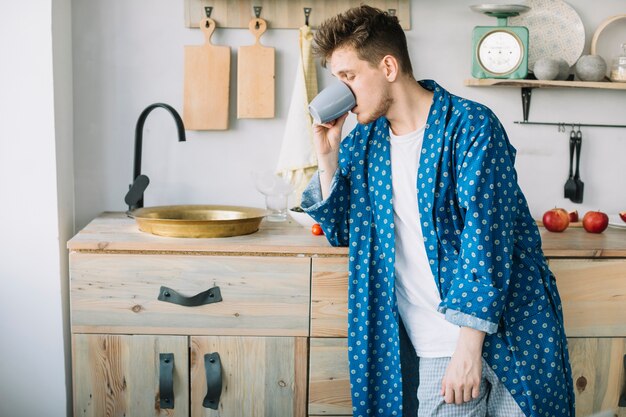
{"x":210,"y":296}
{"x":213,"y":370}
{"x":622,"y":398}
{"x":166,"y":380}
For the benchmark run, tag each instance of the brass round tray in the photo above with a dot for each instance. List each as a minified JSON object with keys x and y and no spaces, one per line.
{"x":198,"y":221}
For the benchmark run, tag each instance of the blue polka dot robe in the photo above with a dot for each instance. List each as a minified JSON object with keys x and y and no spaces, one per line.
{"x":483,"y":246}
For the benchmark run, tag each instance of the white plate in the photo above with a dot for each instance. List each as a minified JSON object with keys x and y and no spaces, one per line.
{"x":556,"y":31}
{"x":616,"y":221}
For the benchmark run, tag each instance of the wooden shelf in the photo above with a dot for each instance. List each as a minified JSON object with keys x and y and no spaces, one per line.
{"x":493,"y":82}
{"x":527,"y":86}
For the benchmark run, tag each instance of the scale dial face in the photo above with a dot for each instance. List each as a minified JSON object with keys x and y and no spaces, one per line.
{"x":500,"y":52}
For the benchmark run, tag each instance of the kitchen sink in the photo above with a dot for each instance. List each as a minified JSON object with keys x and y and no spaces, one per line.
{"x":198,"y":221}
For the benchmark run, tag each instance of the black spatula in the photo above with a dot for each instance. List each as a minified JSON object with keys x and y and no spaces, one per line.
{"x":569,"y":190}
{"x":580,"y":186}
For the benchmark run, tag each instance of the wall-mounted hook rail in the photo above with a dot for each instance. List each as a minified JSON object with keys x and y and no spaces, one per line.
{"x":563,"y":124}
{"x":284,"y":14}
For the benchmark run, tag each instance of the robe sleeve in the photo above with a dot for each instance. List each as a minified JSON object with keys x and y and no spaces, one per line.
{"x":332,"y":213}
{"x":487,"y":193}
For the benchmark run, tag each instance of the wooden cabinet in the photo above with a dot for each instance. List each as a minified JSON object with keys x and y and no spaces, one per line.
{"x":233,"y":330}
{"x":279,"y":329}
{"x":593,"y":293}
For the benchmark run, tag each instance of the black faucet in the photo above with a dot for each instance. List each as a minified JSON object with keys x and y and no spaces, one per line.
{"x":134,"y":197}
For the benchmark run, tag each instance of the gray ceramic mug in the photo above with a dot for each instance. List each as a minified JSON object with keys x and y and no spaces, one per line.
{"x":332,"y":102}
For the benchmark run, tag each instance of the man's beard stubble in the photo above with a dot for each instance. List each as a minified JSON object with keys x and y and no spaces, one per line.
{"x":381,"y":109}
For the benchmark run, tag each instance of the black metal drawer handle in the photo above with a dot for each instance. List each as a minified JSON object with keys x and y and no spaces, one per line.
{"x":622,"y":398}
{"x":210,"y":296}
{"x":166,"y":380}
{"x":213,"y":370}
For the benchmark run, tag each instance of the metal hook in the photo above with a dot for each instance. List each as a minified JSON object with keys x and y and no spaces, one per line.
{"x":392,"y":12}
{"x":307,"y":13}
{"x":561,"y":127}
{"x":257,"y":14}
{"x":578,"y":127}
{"x":208,"y":10}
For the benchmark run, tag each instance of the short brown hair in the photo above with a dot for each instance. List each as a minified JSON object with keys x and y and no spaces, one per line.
{"x":370,"y":31}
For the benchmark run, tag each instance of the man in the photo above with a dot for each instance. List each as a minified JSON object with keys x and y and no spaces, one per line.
{"x":441,"y":240}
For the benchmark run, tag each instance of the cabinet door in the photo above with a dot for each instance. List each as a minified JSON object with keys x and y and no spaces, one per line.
{"x":119,"y":375}
{"x":260,"y":376}
{"x":329,"y":377}
{"x":598,"y":373}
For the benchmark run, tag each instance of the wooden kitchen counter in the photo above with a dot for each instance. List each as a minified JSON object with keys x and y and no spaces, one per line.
{"x":283,"y":290}
{"x":112,"y":232}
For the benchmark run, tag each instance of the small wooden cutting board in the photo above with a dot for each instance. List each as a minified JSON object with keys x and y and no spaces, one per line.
{"x":255,"y":77}
{"x":207,"y":83}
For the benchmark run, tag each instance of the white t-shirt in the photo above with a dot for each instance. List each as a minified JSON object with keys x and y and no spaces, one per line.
{"x":418,"y":297}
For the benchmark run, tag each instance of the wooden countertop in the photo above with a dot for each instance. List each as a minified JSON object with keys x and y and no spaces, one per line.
{"x":115,"y":232}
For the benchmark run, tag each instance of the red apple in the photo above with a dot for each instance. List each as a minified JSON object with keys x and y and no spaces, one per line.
{"x":622,"y":215}
{"x":556,"y":220}
{"x":595,"y":221}
{"x":573,"y":216}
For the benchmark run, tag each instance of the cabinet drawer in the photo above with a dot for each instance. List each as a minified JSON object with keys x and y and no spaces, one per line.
{"x":329,"y":297}
{"x":329,"y":377}
{"x":593,"y":293}
{"x":117,"y":293}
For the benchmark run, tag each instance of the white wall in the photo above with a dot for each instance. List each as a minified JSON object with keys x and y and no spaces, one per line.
{"x":128,"y":54}
{"x":126,"y":57}
{"x":36,"y":211}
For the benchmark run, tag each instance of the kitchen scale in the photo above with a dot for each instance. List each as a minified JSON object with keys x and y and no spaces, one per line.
{"x":500,"y":51}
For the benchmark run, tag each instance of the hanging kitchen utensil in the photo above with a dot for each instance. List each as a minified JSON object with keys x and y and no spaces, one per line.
{"x":569,"y":190}
{"x":580,"y":186}
{"x":207,"y":79}
{"x":255,"y":76}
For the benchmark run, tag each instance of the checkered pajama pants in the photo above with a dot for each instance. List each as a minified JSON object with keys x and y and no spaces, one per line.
{"x":494,"y":399}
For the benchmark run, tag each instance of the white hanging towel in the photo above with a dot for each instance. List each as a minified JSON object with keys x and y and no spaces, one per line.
{"x":297,"y":161}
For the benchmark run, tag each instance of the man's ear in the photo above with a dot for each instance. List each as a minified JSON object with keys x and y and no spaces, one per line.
{"x":389,"y":65}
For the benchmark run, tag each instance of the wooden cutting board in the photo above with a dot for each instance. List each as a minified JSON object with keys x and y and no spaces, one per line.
{"x":255,"y":77}
{"x":207,"y":83}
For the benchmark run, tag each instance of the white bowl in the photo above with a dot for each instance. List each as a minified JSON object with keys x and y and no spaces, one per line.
{"x":302,"y":218}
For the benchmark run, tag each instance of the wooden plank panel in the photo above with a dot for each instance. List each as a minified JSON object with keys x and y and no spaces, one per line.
{"x":284,"y":14}
{"x":261,"y":376}
{"x":329,"y":297}
{"x":593,"y":293}
{"x":329,"y":378}
{"x":598,"y":374}
{"x":118,"y":294}
{"x":119,"y":375}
